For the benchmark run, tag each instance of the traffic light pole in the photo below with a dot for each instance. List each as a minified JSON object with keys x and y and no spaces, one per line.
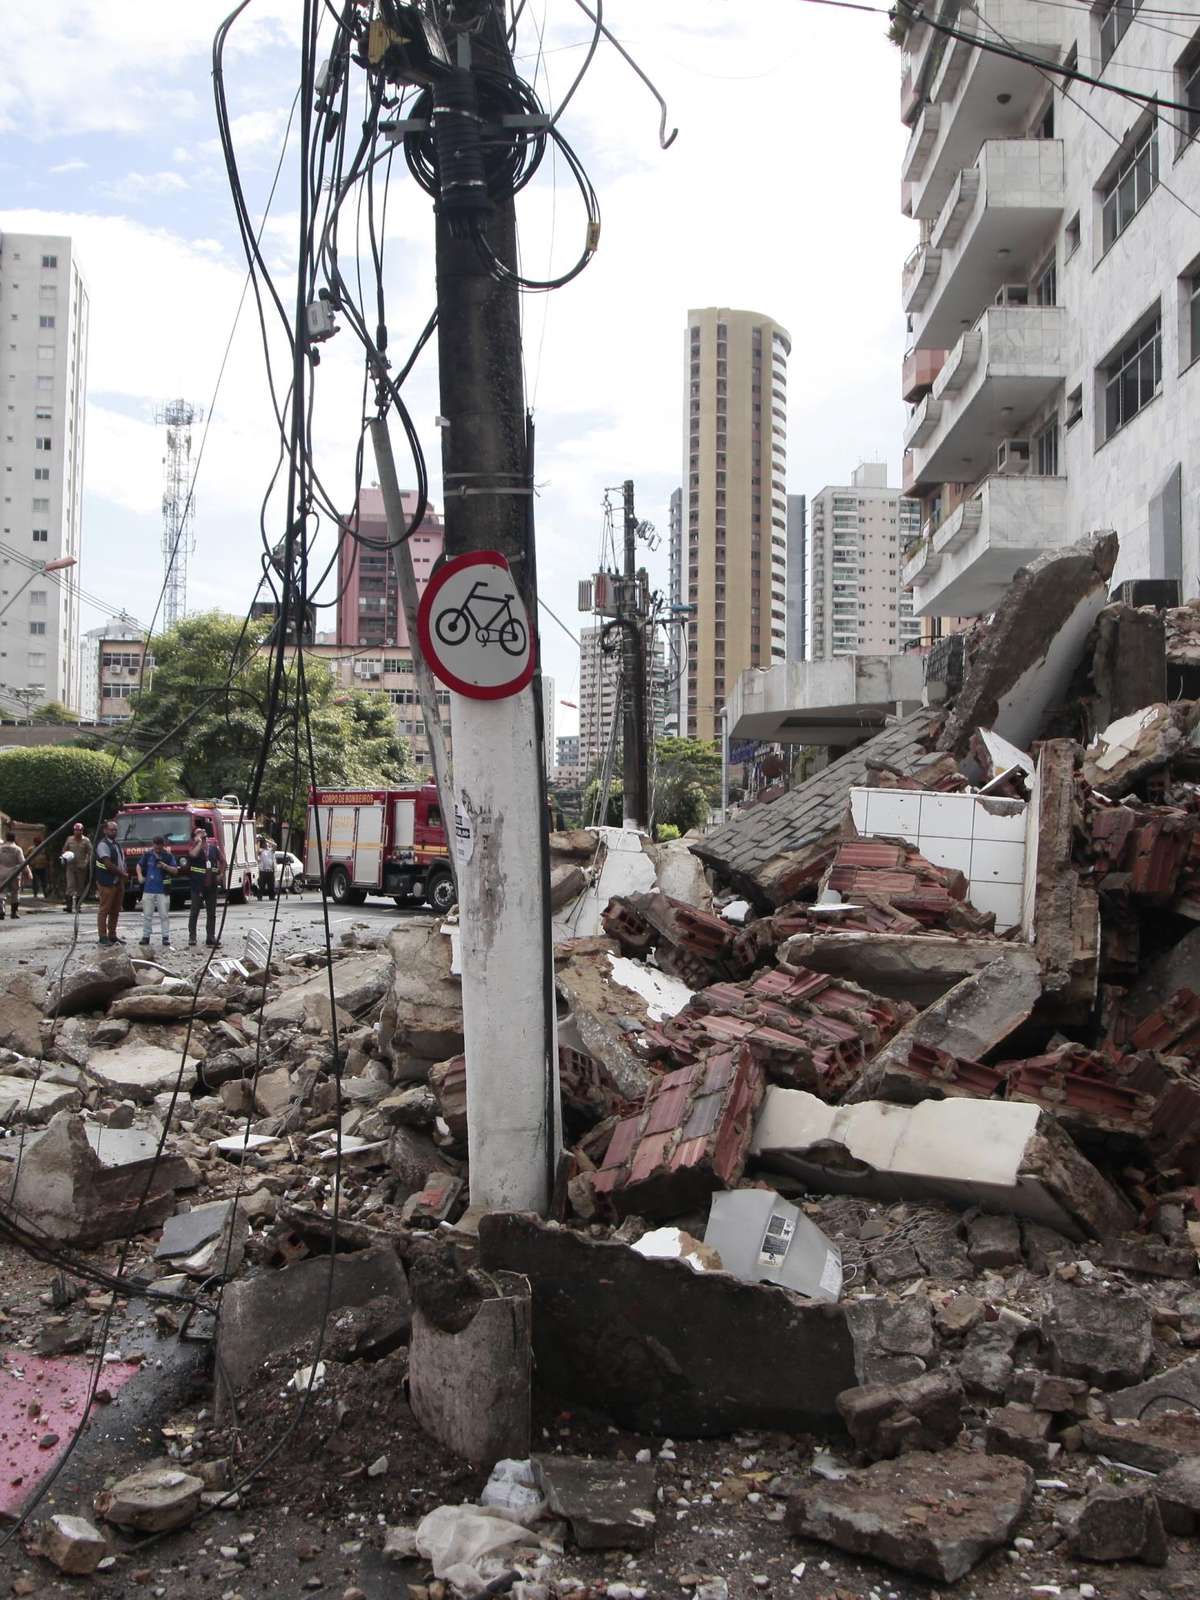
{"x":499,"y":788}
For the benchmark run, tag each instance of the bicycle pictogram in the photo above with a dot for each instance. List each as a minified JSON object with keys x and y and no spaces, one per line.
{"x":498,"y":626}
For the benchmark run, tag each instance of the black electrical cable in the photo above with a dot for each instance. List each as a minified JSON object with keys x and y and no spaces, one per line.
{"x":504,"y":274}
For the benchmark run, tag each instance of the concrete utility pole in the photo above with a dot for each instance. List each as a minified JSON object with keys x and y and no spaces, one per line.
{"x":406,"y":584}
{"x":635,"y":805}
{"x":500,"y":817}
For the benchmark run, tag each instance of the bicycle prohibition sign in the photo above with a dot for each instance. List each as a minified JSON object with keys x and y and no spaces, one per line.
{"x":473,"y":627}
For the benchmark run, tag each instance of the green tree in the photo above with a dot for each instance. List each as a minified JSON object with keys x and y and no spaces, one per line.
{"x":55,"y":712}
{"x":49,"y":783}
{"x":687,"y":781}
{"x":353,"y":732}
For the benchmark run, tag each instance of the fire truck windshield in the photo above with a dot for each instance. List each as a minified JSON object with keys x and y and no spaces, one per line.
{"x":143,"y":827}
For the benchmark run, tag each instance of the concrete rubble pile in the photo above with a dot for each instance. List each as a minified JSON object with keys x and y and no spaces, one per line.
{"x":881,"y":1116}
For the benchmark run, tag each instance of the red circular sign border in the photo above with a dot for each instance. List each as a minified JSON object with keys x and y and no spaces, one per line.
{"x":473,"y":691}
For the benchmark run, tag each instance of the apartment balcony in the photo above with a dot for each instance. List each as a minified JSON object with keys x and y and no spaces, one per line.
{"x":992,"y":230}
{"x":998,"y":374}
{"x":964,"y":566}
{"x":918,"y":276}
{"x":979,"y":94}
{"x":920,"y":368}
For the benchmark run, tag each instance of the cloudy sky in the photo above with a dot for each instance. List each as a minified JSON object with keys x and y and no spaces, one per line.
{"x":780,"y":195}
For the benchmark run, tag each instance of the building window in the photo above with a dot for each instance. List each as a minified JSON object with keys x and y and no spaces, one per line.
{"x":45,"y":381}
{"x":43,"y":442}
{"x":1187,"y":80}
{"x":41,"y":474}
{"x":40,"y":505}
{"x":45,"y":352}
{"x":1075,"y":406}
{"x":1045,"y":446}
{"x":37,"y":627}
{"x":37,"y":597}
{"x":1189,"y":330}
{"x":1132,"y":183}
{"x":45,"y":322}
{"x":36,"y":658}
{"x":1114,"y":25}
{"x":48,"y":261}
{"x":41,"y":535}
{"x":1133,"y":377}
{"x":1045,"y":285}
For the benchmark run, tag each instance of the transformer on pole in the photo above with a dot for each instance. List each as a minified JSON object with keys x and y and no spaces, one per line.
{"x":178,"y":506}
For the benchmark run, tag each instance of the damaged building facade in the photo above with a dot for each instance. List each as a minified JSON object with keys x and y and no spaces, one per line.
{"x":1052,"y":295}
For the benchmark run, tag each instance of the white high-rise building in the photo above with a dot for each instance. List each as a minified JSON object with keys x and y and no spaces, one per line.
{"x":43,"y":384}
{"x":548,"y":705}
{"x":856,"y":539}
{"x":1053,"y":294}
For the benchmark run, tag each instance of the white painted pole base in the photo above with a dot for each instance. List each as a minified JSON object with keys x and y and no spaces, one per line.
{"x":499,"y":802}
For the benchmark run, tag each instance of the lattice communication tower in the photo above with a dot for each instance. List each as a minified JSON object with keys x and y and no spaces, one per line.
{"x":178,"y":504}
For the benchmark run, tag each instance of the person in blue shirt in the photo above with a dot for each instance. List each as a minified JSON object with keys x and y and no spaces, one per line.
{"x":153,"y":870}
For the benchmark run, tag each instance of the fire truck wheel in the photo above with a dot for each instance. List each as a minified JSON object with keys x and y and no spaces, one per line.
{"x":357,"y":897}
{"x":338,"y":886}
{"x":440,"y":893}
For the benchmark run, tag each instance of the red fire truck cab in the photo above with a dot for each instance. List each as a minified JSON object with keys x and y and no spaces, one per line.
{"x":379,"y":841}
{"x":176,"y":820}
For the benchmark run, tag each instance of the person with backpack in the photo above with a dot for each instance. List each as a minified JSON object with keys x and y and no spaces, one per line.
{"x":204,"y":879}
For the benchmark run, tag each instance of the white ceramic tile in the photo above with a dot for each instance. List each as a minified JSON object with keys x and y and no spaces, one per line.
{"x":858,"y":808}
{"x":949,"y":816}
{"x":954,"y":853}
{"x":1002,"y":898}
{"x":991,"y":824}
{"x":895,"y":812}
{"x":995,"y":862}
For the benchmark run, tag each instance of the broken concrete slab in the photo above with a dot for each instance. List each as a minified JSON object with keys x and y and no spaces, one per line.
{"x":1136,"y":745}
{"x":277,"y":1308}
{"x":1099,"y":1335}
{"x":919,"y":967}
{"x":998,"y":1155}
{"x":1062,"y":912}
{"x":1177,"y":1492}
{"x":667,"y":1350}
{"x":1156,"y":1444}
{"x":357,"y":982}
{"x":605,"y":1016}
{"x":153,"y":1500}
{"x":156,"y":1005}
{"x":470,"y":1368}
{"x":621,"y":865}
{"x":1129,"y":661}
{"x":609,"y":1504}
{"x":994,"y":1241}
{"x":138,"y":1071}
{"x":22,"y":1007}
{"x":890,"y":1419}
{"x":970,"y":1019}
{"x":1178,"y":1386}
{"x":935,"y":1515}
{"x":1023,"y":1433}
{"x":1022,"y":661}
{"x":422,"y":1011}
{"x":1120,"y":1522}
{"x":92,"y":985}
{"x":84,"y":1183}
{"x":34,"y":1100}
{"x":185,"y":1232}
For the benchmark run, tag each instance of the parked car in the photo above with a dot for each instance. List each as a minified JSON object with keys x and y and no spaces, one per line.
{"x":289,"y":873}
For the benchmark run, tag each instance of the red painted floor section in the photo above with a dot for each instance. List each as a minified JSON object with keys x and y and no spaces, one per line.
{"x":41,"y":1402}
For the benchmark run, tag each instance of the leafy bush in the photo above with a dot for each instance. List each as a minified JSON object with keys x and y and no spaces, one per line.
{"x":49,"y":783}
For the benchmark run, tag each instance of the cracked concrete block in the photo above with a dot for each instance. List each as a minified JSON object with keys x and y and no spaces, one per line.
{"x":1121,"y":1523}
{"x":92,"y":986}
{"x":1002,"y":1156}
{"x":21,"y":1009}
{"x":933,"y":1515}
{"x":138,"y":1071}
{"x":1099,"y":1335}
{"x":890,"y":1419}
{"x":970,"y":1019}
{"x":422,"y":1011}
{"x":609,"y":1504}
{"x":34,"y":1101}
{"x":73,"y":1544}
{"x":358,"y":981}
{"x":153,"y":1500}
{"x":919,"y":967}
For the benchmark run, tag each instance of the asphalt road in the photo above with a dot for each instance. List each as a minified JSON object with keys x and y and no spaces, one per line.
{"x":41,"y":933}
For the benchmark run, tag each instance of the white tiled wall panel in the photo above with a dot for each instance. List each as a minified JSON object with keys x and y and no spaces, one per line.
{"x":980,"y":837}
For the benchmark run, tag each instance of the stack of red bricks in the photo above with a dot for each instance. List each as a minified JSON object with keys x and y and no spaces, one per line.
{"x":691,"y":945}
{"x":805,"y":1029}
{"x":690,"y":1137}
{"x":892,"y":874}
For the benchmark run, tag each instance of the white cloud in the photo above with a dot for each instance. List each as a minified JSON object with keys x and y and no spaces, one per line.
{"x":136,"y":187}
{"x":780,"y":194}
{"x":67,"y":166}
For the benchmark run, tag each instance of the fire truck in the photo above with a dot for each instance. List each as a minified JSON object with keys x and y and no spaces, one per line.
{"x":176,"y":820}
{"x":379,"y":841}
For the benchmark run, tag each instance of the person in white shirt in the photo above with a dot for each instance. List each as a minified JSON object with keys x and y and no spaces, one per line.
{"x":266,"y":868}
